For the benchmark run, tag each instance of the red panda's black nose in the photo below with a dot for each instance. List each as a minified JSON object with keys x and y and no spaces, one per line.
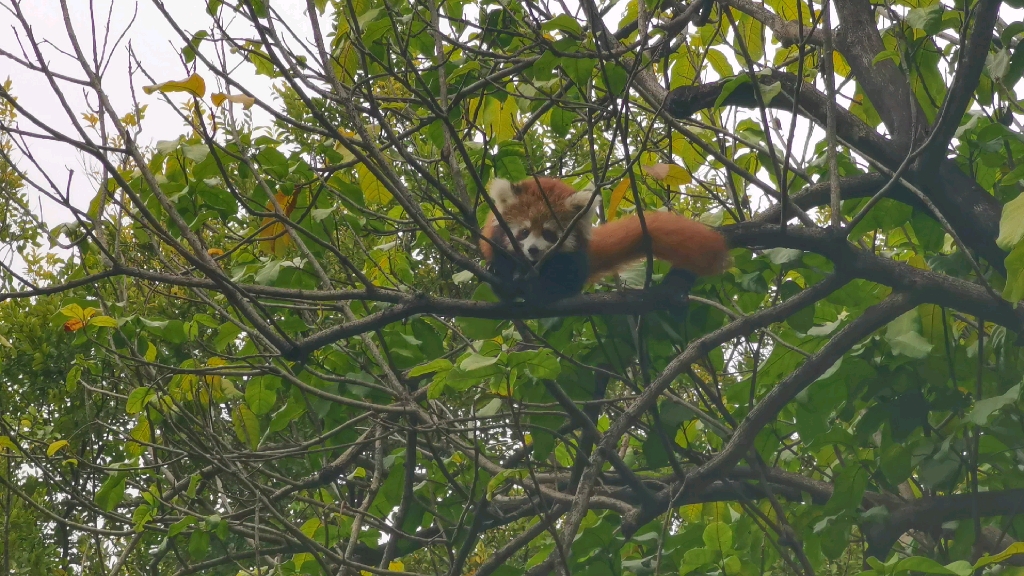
{"x":533,"y":251}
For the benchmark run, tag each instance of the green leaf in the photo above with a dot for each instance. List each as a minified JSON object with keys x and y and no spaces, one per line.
{"x":895,"y":463}
{"x":700,"y":556}
{"x":508,"y":162}
{"x":729,"y":87}
{"x":138,"y":399}
{"x":471,"y":66}
{"x":564,"y":23}
{"x":886,"y":55}
{"x":111,"y":493}
{"x":927,"y":18}
{"x":718,"y":537}
{"x":226,"y":334}
{"x":261,"y":395}
{"x":180,"y":525}
{"x":784,"y":255}
{"x":655,"y":452}
{"x":732,"y":565}
{"x":1011,"y":223}
{"x":617,"y":78}
{"x":770,"y":91}
{"x":579,"y":70}
{"x":490,"y":409}
{"x":984,"y":409}
{"x":73,"y":377}
{"x":1013,"y":291}
{"x":962,"y":567}
{"x":199,"y":545}
{"x":477,"y":361}
{"x":437,"y":365}
{"x":920,"y":564}
{"x":541,"y":364}
{"x":850,"y":484}
{"x":904,"y":337}
{"x":287,"y":414}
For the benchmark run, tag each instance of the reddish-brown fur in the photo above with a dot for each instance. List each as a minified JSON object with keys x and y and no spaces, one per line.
{"x":676,"y":239}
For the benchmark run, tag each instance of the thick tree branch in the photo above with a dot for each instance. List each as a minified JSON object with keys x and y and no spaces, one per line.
{"x":787,"y":31}
{"x":968,"y":72}
{"x":928,"y":286}
{"x":883,"y":82}
{"x":685,"y":101}
{"x":926,"y":514}
{"x":857,"y":186}
{"x":970,"y":210}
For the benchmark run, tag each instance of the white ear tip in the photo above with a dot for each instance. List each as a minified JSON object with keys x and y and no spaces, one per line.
{"x":499,"y":187}
{"x":582,"y":199}
{"x":502,"y":192}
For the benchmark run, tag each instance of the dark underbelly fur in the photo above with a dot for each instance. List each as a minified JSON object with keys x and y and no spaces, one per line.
{"x":560,"y":276}
{"x":564,"y":275}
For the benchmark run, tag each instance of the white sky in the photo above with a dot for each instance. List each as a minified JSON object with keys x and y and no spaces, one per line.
{"x":154,"y":42}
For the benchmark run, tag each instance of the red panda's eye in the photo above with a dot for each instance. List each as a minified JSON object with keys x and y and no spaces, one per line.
{"x":522,"y":234}
{"x":551,"y":236}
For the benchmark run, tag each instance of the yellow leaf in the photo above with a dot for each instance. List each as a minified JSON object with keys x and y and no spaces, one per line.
{"x":55,"y":446}
{"x":396,"y":566}
{"x":617,"y":194}
{"x":1012,"y":550}
{"x":668,"y":174}
{"x":73,"y":311}
{"x":218,"y":98}
{"x":6,"y":444}
{"x":839,"y":64}
{"x":142,"y":432}
{"x":215,"y":362}
{"x":342,"y":148}
{"x":194,"y":85}
{"x":917,"y":261}
{"x":275,"y":234}
{"x":105,"y":321}
{"x":309,"y":527}
{"x":300,"y":559}
{"x":373,"y":190}
{"x":691,"y":512}
{"x":247,"y":426}
{"x":500,"y":118}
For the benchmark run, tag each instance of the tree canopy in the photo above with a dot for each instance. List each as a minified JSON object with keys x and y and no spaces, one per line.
{"x":266,"y":343}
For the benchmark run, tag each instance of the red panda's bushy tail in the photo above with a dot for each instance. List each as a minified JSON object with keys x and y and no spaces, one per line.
{"x":676,"y":239}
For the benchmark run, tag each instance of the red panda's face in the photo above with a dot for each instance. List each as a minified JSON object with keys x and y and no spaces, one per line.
{"x":536,"y":238}
{"x":538,"y":211}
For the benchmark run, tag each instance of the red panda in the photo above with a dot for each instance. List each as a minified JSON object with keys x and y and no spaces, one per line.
{"x":538,"y":211}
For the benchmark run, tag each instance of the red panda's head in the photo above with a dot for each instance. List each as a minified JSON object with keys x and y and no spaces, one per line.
{"x":539,"y":210}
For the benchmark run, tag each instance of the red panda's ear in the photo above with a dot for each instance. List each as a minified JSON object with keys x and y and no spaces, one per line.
{"x":581,"y":201}
{"x":502,"y":192}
